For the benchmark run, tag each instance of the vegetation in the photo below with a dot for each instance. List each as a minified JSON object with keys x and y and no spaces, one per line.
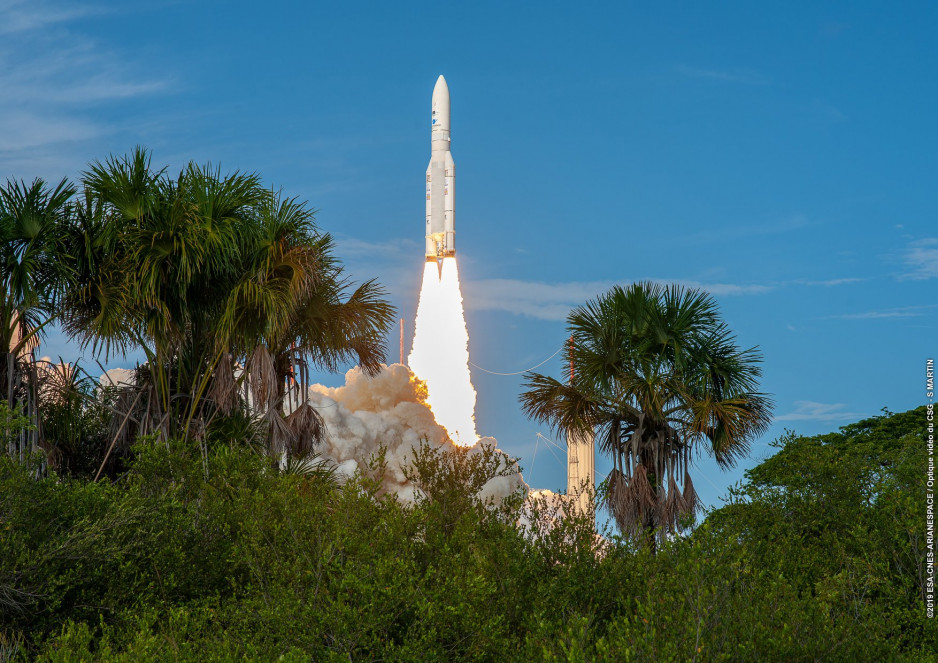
{"x":185,"y":517}
{"x":32,"y":274}
{"x":656,"y":375}
{"x":228,"y":289}
{"x":805,"y":562}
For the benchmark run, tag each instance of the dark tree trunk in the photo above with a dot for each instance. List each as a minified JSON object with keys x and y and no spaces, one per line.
{"x":650,"y":521}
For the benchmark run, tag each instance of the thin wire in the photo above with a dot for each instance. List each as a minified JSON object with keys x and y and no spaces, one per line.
{"x":559,"y":446}
{"x":705,"y":477}
{"x":556,"y":457}
{"x":485,"y":370}
{"x":551,"y":450}
{"x":537,"y":441}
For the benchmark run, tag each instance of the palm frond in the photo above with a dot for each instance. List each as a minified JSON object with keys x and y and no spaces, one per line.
{"x":307,"y":429}
{"x":691,"y":502}
{"x":561,"y":406}
{"x":262,"y":377}
{"x":224,"y":389}
{"x":315,"y":468}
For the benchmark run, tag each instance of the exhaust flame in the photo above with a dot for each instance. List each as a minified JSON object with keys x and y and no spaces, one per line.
{"x":440,"y":355}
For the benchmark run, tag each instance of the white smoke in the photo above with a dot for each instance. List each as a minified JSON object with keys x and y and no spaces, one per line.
{"x":117,"y":377}
{"x":389,"y":409}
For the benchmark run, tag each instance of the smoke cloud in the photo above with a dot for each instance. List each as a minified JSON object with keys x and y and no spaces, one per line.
{"x":389,"y":409}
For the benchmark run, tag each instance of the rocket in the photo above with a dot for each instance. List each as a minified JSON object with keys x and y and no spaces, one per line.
{"x":441,"y":180}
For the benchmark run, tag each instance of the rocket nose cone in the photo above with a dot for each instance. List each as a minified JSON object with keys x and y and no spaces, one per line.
{"x":441,"y":87}
{"x":440,"y":107}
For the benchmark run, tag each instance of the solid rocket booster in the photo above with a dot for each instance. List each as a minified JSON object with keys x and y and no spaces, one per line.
{"x":441,"y":179}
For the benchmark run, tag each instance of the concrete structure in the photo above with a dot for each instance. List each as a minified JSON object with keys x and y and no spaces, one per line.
{"x":581,"y":468}
{"x":581,"y":464}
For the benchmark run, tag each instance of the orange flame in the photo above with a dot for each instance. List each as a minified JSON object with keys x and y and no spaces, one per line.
{"x":440,"y":355}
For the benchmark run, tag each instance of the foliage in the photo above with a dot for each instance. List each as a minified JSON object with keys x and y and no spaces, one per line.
{"x":657,"y":377}
{"x":228,"y":288}
{"x":12,"y":423}
{"x":449,"y":481}
{"x":75,"y":416}
{"x":841,"y":517}
{"x":32,"y":265}
{"x":249,"y":563}
{"x":34,"y":271}
{"x":210,"y":551}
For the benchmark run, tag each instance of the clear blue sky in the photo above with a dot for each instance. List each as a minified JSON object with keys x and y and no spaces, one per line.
{"x":784,"y":158}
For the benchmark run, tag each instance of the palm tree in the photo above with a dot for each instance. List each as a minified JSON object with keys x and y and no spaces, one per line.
{"x":293,"y":309}
{"x":154,"y":259}
{"x":34,"y":270}
{"x":74,"y":419}
{"x":658,"y":377}
{"x":335,"y":322}
{"x":207,"y":272}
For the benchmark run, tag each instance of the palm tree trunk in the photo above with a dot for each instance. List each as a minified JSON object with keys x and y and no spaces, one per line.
{"x":282,"y":367}
{"x":11,"y":364}
{"x":34,"y":403}
{"x":649,"y":519}
{"x":11,"y":446}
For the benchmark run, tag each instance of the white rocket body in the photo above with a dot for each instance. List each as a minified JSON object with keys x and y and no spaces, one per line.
{"x":441,"y":179}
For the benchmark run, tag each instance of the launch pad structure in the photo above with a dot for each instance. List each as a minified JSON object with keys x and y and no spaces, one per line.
{"x":581,"y":468}
{"x":581,"y":465}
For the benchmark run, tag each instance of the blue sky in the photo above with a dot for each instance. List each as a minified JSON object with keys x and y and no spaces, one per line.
{"x":783,"y":158}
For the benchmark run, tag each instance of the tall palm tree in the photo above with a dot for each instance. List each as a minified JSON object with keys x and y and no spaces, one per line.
{"x":659,"y":378}
{"x":206,"y":272}
{"x":293,"y":309}
{"x":34,"y":270}
{"x":335,"y":322}
{"x":155,"y":257}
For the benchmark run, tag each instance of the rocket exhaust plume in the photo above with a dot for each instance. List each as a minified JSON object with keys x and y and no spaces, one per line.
{"x":440,"y":354}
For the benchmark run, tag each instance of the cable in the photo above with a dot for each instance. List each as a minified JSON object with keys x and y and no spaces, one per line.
{"x":549,"y":444}
{"x":550,"y":441}
{"x":537,"y":441}
{"x":485,"y":370}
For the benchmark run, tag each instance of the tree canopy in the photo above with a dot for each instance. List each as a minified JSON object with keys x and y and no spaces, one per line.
{"x":172,"y":563}
{"x":657,"y":377}
{"x":229,"y":289}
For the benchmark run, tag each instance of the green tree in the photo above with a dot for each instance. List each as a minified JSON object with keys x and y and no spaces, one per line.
{"x":840,"y":516}
{"x":172,"y":563}
{"x":293,"y":309}
{"x":658,"y":377}
{"x":154,"y":254}
{"x":227,"y":287}
{"x":76,"y":417}
{"x":34,"y":269}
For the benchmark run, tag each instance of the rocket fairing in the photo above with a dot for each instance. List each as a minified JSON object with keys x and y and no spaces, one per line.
{"x":441,"y":179}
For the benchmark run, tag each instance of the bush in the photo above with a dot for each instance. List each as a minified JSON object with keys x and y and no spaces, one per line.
{"x":244,"y":562}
